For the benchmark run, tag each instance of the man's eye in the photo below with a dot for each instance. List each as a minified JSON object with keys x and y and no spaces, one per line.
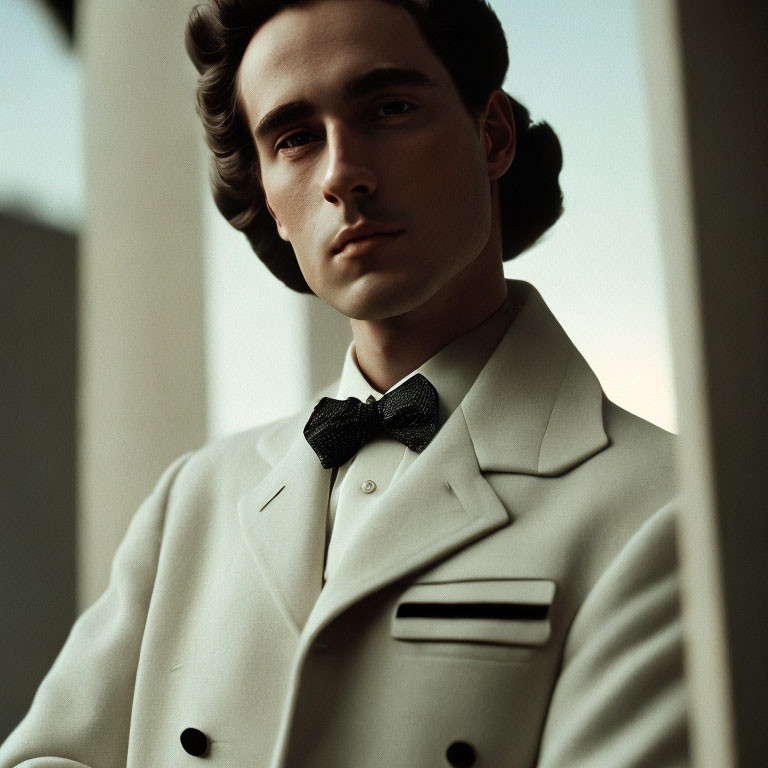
{"x":295,"y":140}
{"x":397,"y":107}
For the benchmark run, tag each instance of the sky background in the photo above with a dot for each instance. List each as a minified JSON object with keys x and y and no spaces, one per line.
{"x":41,"y":148}
{"x":600,"y":268}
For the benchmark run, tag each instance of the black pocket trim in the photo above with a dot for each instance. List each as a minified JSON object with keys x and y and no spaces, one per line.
{"x":503,"y":611}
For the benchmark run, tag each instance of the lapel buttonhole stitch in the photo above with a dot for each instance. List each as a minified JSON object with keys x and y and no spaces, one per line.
{"x":272,"y":498}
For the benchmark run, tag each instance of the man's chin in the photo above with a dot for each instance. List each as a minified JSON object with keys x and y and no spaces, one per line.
{"x":370,"y":299}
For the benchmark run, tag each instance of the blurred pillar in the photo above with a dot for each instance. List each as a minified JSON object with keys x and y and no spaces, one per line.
{"x":708,"y":77}
{"x":142,"y":376}
{"x":38,"y":306}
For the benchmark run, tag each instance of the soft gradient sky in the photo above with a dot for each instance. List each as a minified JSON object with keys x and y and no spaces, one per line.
{"x":578,"y":67}
{"x":41,"y":150}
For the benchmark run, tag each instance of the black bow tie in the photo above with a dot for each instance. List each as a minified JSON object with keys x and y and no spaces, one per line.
{"x":337,"y":429}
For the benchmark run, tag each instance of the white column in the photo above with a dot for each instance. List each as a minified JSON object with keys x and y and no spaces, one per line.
{"x":142,"y":362}
{"x":708,"y":75}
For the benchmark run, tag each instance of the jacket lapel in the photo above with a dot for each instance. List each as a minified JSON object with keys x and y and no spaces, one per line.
{"x":284,"y":522}
{"x":537,"y":407}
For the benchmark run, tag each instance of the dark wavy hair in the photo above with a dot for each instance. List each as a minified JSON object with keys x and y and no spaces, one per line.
{"x":467,"y":37}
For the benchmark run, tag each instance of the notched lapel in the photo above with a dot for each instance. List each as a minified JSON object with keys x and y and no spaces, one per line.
{"x":284,"y":523}
{"x":441,"y":504}
{"x":537,"y":407}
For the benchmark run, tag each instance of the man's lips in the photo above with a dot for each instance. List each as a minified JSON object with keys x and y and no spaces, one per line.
{"x":367,"y":234}
{"x":363,"y":245}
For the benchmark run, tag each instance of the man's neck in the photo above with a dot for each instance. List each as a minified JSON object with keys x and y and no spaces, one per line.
{"x":388,"y":350}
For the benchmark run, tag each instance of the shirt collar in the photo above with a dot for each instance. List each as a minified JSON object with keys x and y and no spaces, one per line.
{"x":452,"y":370}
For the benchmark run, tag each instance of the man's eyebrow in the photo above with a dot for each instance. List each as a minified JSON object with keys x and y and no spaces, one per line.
{"x":357,"y":87}
{"x":276,"y":118}
{"x":385,"y":77}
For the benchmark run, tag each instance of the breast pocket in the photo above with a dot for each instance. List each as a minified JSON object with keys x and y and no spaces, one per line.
{"x":498,"y":612}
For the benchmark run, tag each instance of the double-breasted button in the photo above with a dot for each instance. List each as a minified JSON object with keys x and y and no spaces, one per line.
{"x":460,"y":755}
{"x":194,"y":742}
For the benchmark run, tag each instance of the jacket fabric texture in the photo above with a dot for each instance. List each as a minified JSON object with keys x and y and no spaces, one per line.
{"x":512,"y":602}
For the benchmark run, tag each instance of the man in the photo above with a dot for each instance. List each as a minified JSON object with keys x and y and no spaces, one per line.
{"x":476,"y":567}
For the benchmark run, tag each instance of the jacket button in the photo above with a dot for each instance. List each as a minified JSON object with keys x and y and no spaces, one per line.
{"x":460,"y":755}
{"x":194,"y":742}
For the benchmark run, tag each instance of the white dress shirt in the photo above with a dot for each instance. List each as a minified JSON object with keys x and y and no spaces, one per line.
{"x":361,"y":481}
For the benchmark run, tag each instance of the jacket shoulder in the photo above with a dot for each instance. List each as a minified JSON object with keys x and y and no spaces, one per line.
{"x":645,"y":452}
{"x":233,"y":464}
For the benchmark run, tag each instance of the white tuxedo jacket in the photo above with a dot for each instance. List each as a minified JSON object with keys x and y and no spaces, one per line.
{"x":510,"y":603}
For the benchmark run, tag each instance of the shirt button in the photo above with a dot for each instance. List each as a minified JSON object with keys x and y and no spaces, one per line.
{"x":368,"y":486}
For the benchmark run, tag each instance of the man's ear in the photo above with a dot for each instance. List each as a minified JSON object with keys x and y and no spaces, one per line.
{"x":498,"y":127}
{"x":280,"y":228}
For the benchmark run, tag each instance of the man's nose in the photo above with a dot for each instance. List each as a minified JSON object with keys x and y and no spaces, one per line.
{"x":348,"y":173}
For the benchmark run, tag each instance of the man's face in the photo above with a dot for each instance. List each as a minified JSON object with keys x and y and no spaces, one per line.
{"x":361,"y":133}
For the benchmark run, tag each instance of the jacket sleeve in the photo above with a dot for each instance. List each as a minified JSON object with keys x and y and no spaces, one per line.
{"x":619,"y":701}
{"x":80,"y":716}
